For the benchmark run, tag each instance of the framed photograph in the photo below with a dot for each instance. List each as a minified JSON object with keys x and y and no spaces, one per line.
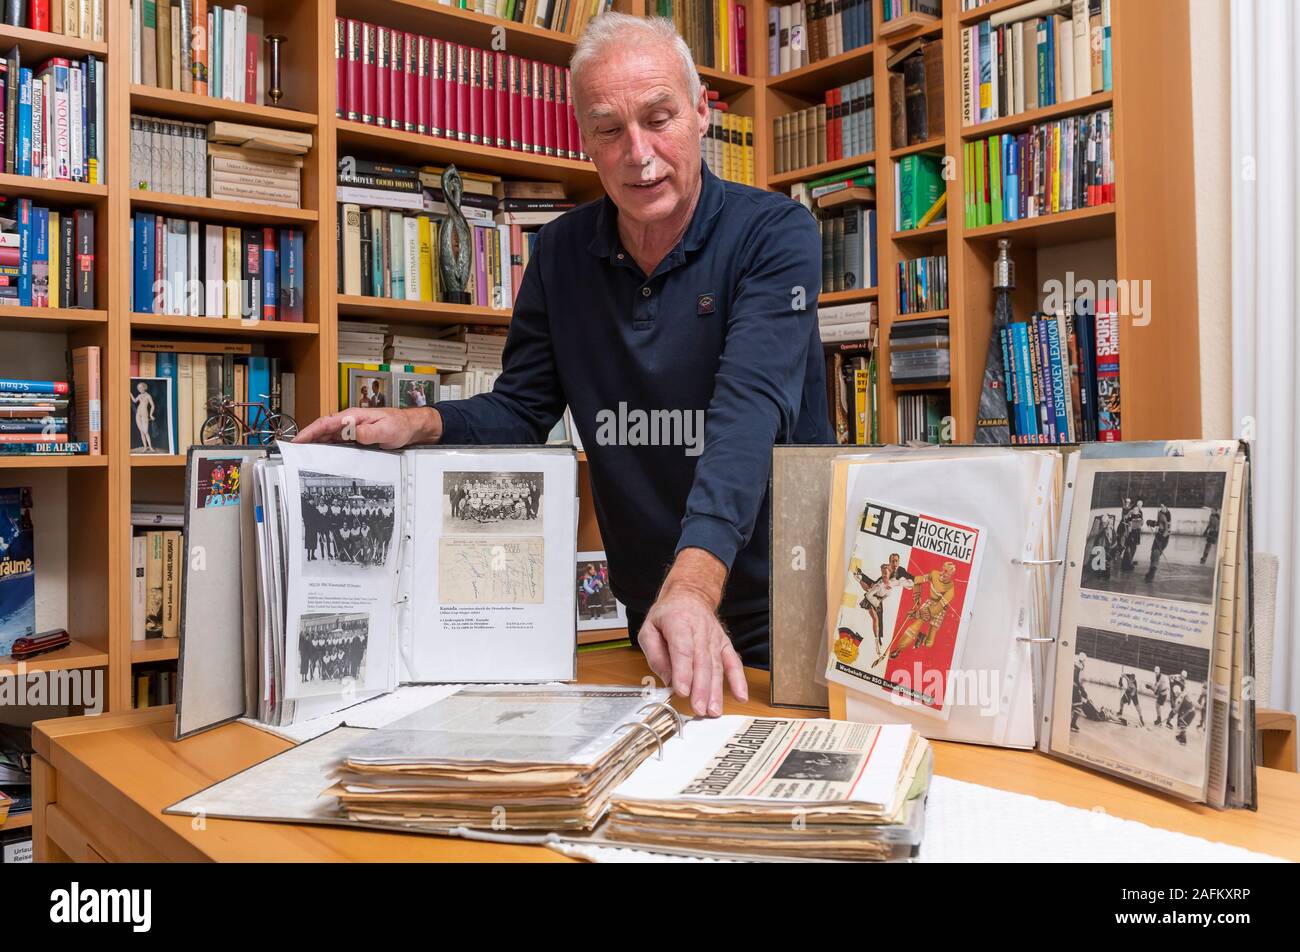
{"x":415,"y":390}
{"x":370,"y":388}
{"x":598,"y":609}
{"x":151,"y":416}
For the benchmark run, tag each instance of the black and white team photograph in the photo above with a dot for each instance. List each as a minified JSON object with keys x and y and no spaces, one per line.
{"x":1140,"y":701}
{"x":501,"y":502}
{"x":347,"y":523}
{"x":332,"y":651}
{"x":1154,"y":534}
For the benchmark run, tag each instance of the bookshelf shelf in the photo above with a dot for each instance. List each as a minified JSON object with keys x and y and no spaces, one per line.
{"x":578,"y":178}
{"x":51,"y":190}
{"x":727,"y":84}
{"x":813,"y":79}
{"x":75,"y":656}
{"x":149,"y":460}
{"x":56,"y":319}
{"x":919,"y":316}
{"x":1023,"y":120}
{"x":22,"y":821}
{"x":932,"y":145}
{"x":1081,"y":224}
{"x":928,"y":233}
{"x":155,"y":649}
{"x":920,"y":387}
{"x":786,"y":179}
{"x":912,"y":24}
{"x":464,"y":26}
{"x":224,"y":325}
{"x":967,"y":17}
{"x":419,"y":312}
{"x":247,"y":213}
{"x":39,"y":44}
{"x":176,"y":104}
{"x":53,"y":462}
{"x":829,"y":298}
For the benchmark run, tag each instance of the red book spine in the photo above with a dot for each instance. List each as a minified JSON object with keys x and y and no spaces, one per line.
{"x":489,"y":93}
{"x":410,"y":107}
{"x":383,"y":74}
{"x":250,"y":67}
{"x":475,"y":96}
{"x":368,"y":73}
{"x":742,"y":47}
{"x":437,"y":86}
{"x":464,"y":119}
{"x":575,"y":141}
{"x":340,"y":68}
{"x":526,"y":105}
{"x":548,"y":108}
{"x":353,"y":98}
{"x":538,"y":106}
{"x":423,"y":48}
{"x":561,"y":115}
{"x":396,"y":80}
{"x":502,"y":130}
{"x":39,"y":15}
{"x":514,"y":119}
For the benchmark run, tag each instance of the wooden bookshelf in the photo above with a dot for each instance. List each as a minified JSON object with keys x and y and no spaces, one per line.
{"x":220,"y":209}
{"x":40,"y":44}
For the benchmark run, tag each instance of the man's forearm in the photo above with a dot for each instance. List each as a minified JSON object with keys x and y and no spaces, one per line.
{"x":429,"y":425}
{"x":698,"y":571}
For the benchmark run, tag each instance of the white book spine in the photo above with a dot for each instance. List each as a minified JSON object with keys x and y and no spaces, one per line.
{"x":227,"y":54}
{"x":396,"y":239}
{"x":38,"y":127}
{"x":193,"y":287}
{"x":412,"y":254}
{"x":240,"y":50}
{"x":137,"y":33}
{"x":507,"y":285}
{"x":177,"y":264}
{"x":139,"y":556}
{"x":214,"y":263}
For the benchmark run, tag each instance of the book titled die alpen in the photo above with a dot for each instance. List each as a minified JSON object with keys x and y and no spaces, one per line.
{"x":17,"y":568}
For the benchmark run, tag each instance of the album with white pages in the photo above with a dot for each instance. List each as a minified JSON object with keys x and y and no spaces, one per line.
{"x":320,"y":576}
{"x":1090,"y":602}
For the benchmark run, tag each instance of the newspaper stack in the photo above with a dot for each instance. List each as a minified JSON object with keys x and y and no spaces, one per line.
{"x":505,"y":757}
{"x":779,"y":788}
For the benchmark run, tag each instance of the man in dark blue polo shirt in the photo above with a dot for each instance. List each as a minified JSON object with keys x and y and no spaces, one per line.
{"x":677,"y":318}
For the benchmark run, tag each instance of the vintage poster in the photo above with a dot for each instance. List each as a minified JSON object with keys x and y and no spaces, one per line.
{"x":905,"y":604}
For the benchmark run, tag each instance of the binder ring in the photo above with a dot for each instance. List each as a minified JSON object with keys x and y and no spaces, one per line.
{"x":1038,"y":561}
{"x":639,"y":726}
{"x":1036,"y":641}
{"x":677,"y":716}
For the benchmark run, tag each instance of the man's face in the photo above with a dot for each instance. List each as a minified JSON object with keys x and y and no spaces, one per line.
{"x":642,"y":131}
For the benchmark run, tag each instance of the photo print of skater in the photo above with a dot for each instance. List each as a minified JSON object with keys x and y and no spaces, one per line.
{"x":877,"y":590}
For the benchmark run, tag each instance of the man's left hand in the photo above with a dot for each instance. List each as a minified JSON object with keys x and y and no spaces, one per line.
{"x":683,"y":641}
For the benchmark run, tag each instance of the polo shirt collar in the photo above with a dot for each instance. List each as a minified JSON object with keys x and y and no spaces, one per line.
{"x":605,"y":242}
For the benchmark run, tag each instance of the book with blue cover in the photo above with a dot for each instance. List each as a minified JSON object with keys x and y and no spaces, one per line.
{"x":17,"y":568}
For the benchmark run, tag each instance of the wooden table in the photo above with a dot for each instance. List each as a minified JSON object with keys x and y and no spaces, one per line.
{"x":101,"y":783}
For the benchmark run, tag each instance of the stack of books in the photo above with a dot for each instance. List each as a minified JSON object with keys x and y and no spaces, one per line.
{"x":920,"y":193}
{"x":361,"y":341}
{"x":729,"y":143}
{"x":185,"y":267}
{"x":918,"y":351}
{"x":842,"y":126}
{"x":779,"y":788}
{"x":445,"y":354}
{"x":483,"y":344}
{"x":847,"y":322}
{"x":156,"y":556}
{"x":1050,"y":167}
{"x":47,"y":256}
{"x":806,"y":32}
{"x":493,"y":758}
{"x":168,"y":155}
{"x":72,"y":18}
{"x":923,"y":284}
{"x":34,"y":414}
{"x":1032,"y":56}
{"x":53,"y":119}
{"x":437,"y":87}
{"x":256,"y":164}
{"x":195,"y":46}
{"x":916,"y":111}
{"x":717,"y":31}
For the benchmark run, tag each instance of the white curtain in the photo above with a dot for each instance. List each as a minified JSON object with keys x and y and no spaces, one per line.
{"x":1265,"y":262}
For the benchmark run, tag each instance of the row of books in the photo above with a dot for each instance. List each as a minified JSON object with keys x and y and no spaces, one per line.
{"x":51,"y":417}
{"x":893,"y":9}
{"x":83,"y":19}
{"x":919,"y":351}
{"x":852,"y":391}
{"x":1062,"y":374}
{"x":848,"y":235}
{"x":185,"y":267}
{"x":924,"y":418}
{"x":189,"y":158}
{"x":563,"y":16}
{"x":847,"y":322}
{"x":920,"y":192}
{"x":156,"y":563}
{"x":715,"y":30}
{"x":922,"y":284}
{"x":194,"y":46}
{"x":154,"y":685}
{"x":916,"y":110}
{"x":840,"y":127}
{"x":47,"y":256}
{"x":1050,"y":167}
{"x":1018,"y":60}
{"x":808,"y":31}
{"x":728,"y":144}
{"x":435,"y":87}
{"x":184,"y":378}
{"x":52,"y":125}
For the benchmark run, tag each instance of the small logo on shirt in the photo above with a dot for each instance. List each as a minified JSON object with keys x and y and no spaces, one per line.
{"x":704,"y":305}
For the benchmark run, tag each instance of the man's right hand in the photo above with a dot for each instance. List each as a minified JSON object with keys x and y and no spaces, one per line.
{"x":385,"y":427}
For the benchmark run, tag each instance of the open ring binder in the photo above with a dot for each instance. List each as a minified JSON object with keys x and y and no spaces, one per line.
{"x":640,"y":726}
{"x":677,"y":715}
